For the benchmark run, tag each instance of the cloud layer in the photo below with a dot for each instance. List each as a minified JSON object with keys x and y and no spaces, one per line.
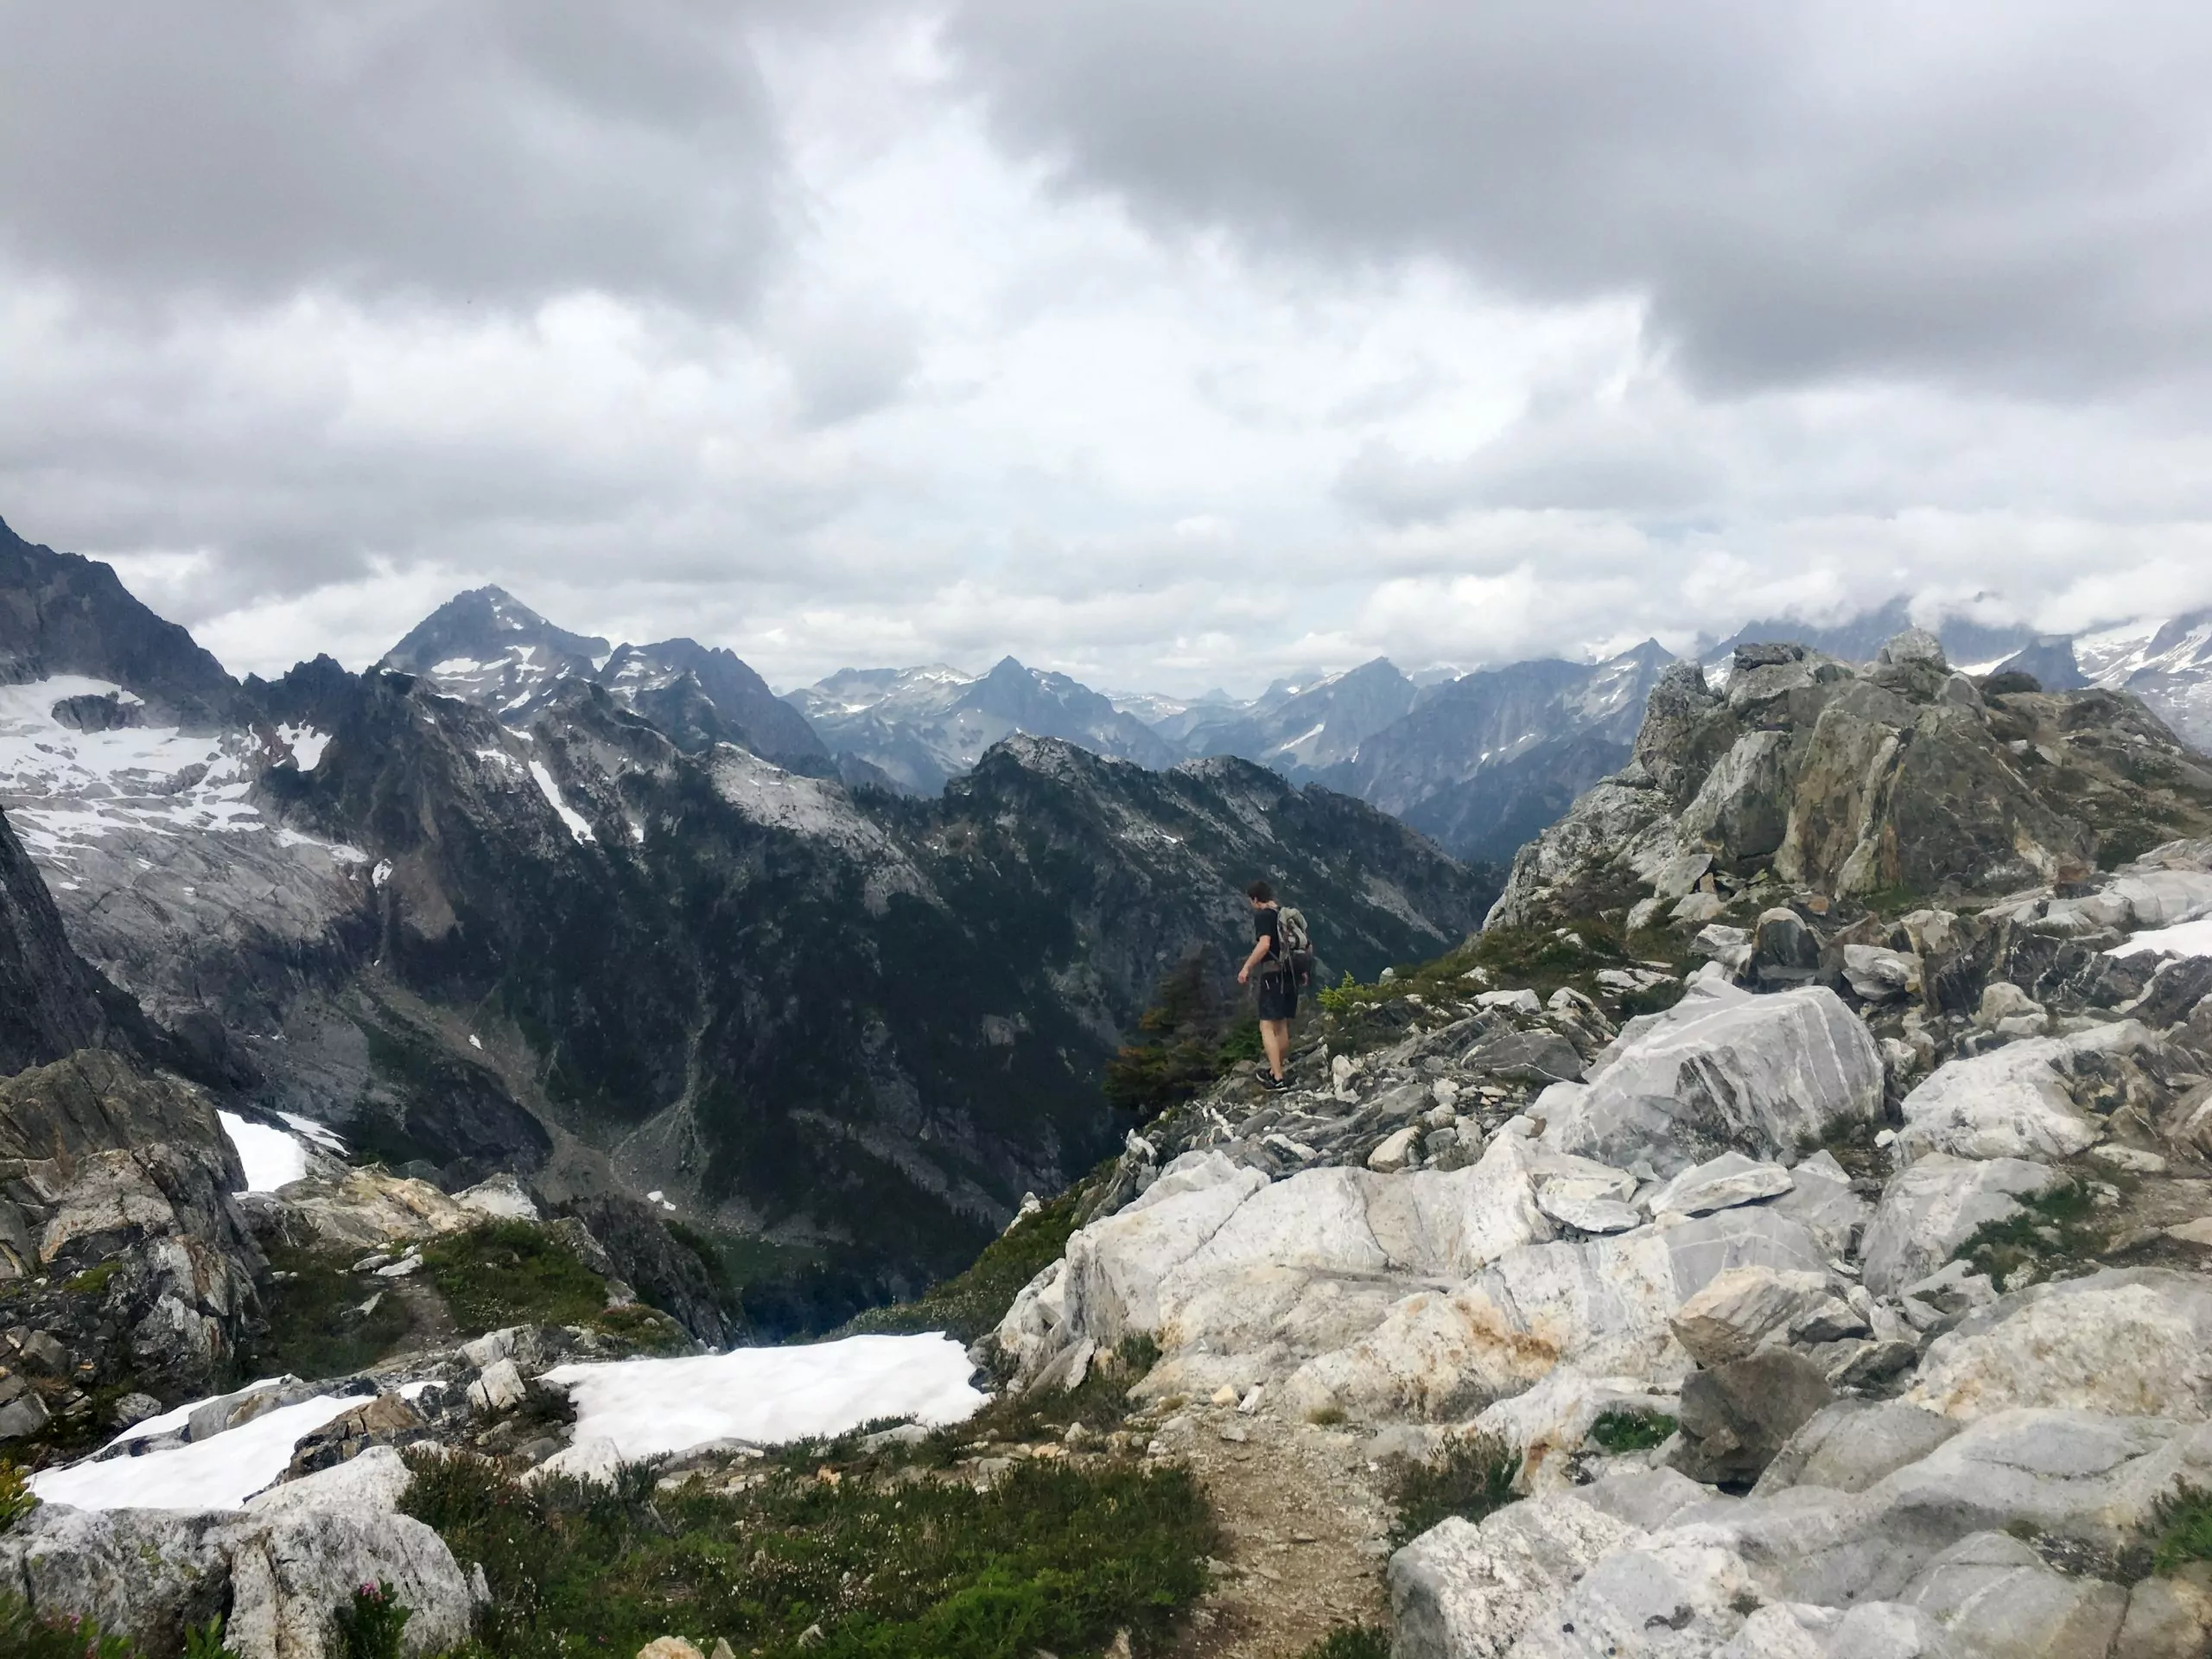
{"x":1167,"y":345}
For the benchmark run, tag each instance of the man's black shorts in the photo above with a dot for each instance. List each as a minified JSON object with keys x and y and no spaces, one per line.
{"x":1277,"y":995}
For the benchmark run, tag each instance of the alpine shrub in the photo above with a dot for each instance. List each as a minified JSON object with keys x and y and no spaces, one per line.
{"x":16,"y":1498}
{"x":369,"y":1627}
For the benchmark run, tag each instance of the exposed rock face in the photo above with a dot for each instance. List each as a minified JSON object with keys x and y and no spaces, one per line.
{"x":275,"y":1574}
{"x":104,"y":1164}
{"x":1849,"y":780}
{"x":52,"y":1001}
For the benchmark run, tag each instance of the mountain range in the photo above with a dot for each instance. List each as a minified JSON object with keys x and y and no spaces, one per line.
{"x":518,"y":899}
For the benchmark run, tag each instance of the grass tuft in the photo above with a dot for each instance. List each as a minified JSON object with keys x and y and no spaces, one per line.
{"x":1471,"y":1476}
{"x":315,"y":1325}
{"x":2053,"y":1229}
{"x":2181,"y":1521}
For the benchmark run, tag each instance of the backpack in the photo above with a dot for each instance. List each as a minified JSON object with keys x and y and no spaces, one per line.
{"x":1295,"y":940}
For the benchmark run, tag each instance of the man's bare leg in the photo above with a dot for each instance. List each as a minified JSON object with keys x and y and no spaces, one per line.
{"x":1274,"y":1038}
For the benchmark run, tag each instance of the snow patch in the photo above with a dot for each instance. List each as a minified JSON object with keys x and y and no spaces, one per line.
{"x":272,"y":1157}
{"x":769,"y":1396}
{"x":321,"y":1133}
{"x":306,"y":744}
{"x":218,"y":1473}
{"x":2183,"y":939}
{"x":577,"y":825}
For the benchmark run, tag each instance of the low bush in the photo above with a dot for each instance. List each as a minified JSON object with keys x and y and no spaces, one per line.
{"x":206,"y":1642}
{"x":832,"y":1561}
{"x":24,"y":1635}
{"x":1624,"y":1429}
{"x":2051,"y":1231}
{"x":316,"y":1327}
{"x":1471,"y":1476}
{"x":2181,"y":1523}
{"x":369,"y":1625}
{"x":16,"y":1498}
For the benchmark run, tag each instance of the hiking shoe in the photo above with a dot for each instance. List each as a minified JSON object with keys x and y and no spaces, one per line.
{"x":1272,"y":1083}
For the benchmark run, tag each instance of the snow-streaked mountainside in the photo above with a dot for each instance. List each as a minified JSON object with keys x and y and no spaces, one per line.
{"x":514,"y":909}
{"x":489,"y":648}
{"x":2168,"y":664}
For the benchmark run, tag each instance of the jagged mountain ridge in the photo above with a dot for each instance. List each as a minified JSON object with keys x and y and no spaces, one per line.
{"x":569,"y":946}
{"x":489,"y":648}
{"x":920,"y":726}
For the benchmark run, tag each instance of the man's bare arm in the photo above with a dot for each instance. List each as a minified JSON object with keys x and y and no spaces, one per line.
{"x":1258,"y":950}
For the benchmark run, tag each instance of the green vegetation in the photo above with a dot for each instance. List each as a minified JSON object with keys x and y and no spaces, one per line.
{"x":1629,"y":1429}
{"x":972,"y":1303}
{"x":317,"y":1325}
{"x":1471,"y":1476}
{"x":206,"y":1642}
{"x":1353,"y":1641}
{"x":516,"y":1273}
{"x":93,"y":1282}
{"x":1192,"y":1035}
{"x":370,"y":1628}
{"x":23,"y":1635}
{"x":16,"y":1498}
{"x":839,"y":1555}
{"x":2049,"y":1231}
{"x":2182,"y":1523}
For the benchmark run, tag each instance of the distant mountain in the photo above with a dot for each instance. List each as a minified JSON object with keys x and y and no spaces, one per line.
{"x":61,"y":610}
{"x":2168,"y":664}
{"x":1312,"y":727}
{"x":488,"y":648}
{"x":921,"y":726}
{"x":1485,"y":762}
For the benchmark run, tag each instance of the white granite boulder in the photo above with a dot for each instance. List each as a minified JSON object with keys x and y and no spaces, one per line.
{"x":1721,"y":1071}
{"x":2015,"y":1101}
{"x":1929,"y":1210}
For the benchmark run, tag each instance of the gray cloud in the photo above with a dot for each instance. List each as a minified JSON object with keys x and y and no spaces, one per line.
{"x":476,"y":149}
{"x":1993,"y":194}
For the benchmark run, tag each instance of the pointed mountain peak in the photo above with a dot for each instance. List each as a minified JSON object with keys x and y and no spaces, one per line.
{"x":488,"y":622}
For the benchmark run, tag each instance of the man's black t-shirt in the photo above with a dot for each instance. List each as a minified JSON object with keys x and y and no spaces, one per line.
{"x":1264,"y":926}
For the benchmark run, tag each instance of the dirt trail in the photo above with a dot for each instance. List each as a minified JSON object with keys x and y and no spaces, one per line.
{"x":1304,"y":1524}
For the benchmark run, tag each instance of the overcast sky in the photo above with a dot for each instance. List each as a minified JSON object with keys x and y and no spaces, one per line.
{"x":1168,"y":342}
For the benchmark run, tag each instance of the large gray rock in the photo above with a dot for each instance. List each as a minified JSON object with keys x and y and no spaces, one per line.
{"x":1736,"y":1417}
{"x":1462,"y":1591}
{"x":2016,"y":1102}
{"x":2124,"y":1341}
{"x":1849,"y":1445}
{"x":1741,"y":1308}
{"x":1600,"y":1305}
{"x":1992,"y":1596}
{"x":1719,"y":1183}
{"x":1934,"y":1206}
{"x":147,"y":1574}
{"x":1721,"y":1071}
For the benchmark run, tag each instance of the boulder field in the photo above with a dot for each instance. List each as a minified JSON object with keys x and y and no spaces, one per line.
{"x":1907,"y":1266}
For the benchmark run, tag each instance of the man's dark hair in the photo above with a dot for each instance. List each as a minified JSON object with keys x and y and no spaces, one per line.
{"x":1261,"y":891}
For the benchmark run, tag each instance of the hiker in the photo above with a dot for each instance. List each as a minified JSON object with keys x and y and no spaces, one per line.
{"x":1278,"y":984}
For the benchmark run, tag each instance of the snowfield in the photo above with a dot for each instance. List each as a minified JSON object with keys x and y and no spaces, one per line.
{"x":218,"y":1473}
{"x":270,"y":1156}
{"x":767,"y":1396}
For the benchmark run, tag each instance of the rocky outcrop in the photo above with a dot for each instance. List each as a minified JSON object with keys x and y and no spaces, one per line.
{"x":1804,"y":774}
{"x":274,"y":1575}
{"x":118,"y":1225}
